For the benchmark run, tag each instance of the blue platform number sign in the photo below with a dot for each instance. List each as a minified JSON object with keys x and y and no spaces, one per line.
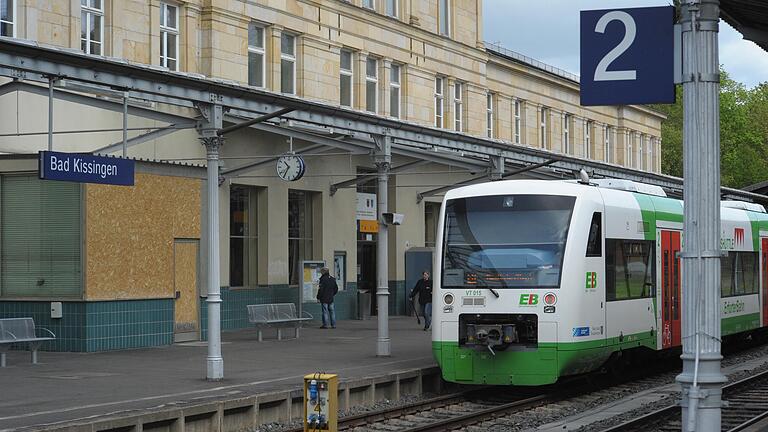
{"x":86,"y":168}
{"x":627,"y":56}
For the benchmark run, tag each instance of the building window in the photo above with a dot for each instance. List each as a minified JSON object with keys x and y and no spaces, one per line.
{"x":588,"y":139}
{"x":518,"y":121}
{"x":169,"y":36}
{"x":458,"y":106}
{"x":300,"y":233}
{"x":369,"y":4}
{"x":394,"y":91}
{"x":91,"y":26}
{"x":431,"y":214}
{"x":243,"y":236}
{"x":630,"y":150}
{"x":256,"y":56}
{"x":40,"y":238}
{"x":392,"y":8}
{"x":641,"y":152}
{"x":567,"y":133}
{"x":345,"y":78}
{"x":651,"y":158}
{"x":629,"y":269}
{"x":543,"y":113}
{"x":489,"y":114}
{"x":444,"y":14}
{"x":8,"y":18}
{"x":439,"y":102}
{"x":288,"y":63}
{"x":607,"y":143}
{"x":371,"y":84}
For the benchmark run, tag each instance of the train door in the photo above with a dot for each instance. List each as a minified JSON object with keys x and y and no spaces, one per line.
{"x":670,"y":289}
{"x":765,"y":280}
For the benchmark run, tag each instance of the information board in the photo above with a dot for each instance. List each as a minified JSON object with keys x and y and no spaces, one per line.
{"x":310,"y":282}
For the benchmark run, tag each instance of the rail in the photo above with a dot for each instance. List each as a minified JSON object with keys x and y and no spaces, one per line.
{"x":747,"y":404}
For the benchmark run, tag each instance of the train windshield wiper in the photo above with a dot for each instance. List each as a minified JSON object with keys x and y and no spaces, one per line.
{"x":494,"y":292}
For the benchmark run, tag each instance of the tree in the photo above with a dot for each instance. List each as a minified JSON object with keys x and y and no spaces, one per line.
{"x":743,"y":133}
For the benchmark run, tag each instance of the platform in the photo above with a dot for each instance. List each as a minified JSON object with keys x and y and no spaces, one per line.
{"x":83,"y":388}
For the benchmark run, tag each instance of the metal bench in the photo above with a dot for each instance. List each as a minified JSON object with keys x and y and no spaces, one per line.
{"x":277,"y":315}
{"x":21,"y":331}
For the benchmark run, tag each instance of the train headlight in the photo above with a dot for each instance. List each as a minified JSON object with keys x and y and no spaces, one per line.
{"x":550,"y":299}
{"x":448,"y":299}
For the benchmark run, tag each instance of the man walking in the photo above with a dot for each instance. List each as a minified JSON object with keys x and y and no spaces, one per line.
{"x":327,"y":289}
{"x":424,"y":289}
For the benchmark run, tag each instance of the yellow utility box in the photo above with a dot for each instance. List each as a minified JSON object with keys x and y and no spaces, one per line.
{"x":321,"y":402}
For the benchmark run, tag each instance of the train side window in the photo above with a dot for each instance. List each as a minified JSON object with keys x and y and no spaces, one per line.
{"x":595,"y":238}
{"x":739,"y":274}
{"x":726,"y":275}
{"x":630,"y":269}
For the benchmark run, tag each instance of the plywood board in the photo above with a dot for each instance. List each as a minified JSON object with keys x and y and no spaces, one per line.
{"x":130,"y":233}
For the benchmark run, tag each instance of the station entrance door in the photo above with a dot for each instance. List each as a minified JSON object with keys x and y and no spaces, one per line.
{"x":670,"y":289}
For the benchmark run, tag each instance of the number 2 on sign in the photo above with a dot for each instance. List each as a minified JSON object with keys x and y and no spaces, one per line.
{"x":630,"y":31}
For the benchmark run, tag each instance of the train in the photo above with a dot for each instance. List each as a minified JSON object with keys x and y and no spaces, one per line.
{"x":537,"y":280}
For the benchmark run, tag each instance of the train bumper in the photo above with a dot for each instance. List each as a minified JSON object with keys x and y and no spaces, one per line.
{"x":530,"y":367}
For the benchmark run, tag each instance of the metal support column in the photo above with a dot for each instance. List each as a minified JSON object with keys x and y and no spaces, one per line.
{"x":382,"y":157}
{"x":50,"y":114}
{"x":701,"y":379}
{"x":125,"y":124}
{"x":495,"y":168}
{"x":209,"y":135}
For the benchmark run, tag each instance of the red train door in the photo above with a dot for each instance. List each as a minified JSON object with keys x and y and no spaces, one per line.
{"x":765,"y":281}
{"x":670,"y":289}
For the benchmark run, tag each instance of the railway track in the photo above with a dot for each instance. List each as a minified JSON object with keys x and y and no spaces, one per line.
{"x":747,"y":404}
{"x":440,"y":413}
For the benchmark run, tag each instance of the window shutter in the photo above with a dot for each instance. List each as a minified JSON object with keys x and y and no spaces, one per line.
{"x":40,"y":224}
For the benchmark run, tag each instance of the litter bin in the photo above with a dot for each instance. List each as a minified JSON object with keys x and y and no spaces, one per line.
{"x":363,"y":304}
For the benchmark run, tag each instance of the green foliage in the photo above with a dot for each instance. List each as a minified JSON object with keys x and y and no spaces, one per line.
{"x":743,"y":133}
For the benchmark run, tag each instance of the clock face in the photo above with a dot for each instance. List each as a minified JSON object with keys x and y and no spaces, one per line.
{"x":290,"y":167}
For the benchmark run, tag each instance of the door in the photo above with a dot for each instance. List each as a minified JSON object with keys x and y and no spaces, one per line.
{"x":366,"y":271}
{"x":765,"y":281}
{"x":670,"y":289}
{"x":185,"y":308}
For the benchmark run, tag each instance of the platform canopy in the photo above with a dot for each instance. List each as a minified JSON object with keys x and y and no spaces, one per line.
{"x":749,"y":17}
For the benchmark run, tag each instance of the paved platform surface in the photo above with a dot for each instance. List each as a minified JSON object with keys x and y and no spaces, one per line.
{"x":72,"y":386}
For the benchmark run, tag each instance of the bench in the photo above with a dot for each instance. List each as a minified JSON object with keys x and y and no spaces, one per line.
{"x":21,"y":331}
{"x":277,"y":315}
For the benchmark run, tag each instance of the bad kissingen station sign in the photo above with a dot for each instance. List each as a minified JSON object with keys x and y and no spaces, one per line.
{"x":86,"y":168}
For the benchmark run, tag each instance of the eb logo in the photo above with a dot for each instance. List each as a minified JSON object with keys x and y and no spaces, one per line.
{"x":529,"y":299}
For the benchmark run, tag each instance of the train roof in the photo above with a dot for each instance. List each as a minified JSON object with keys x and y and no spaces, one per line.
{"x":574,"y":188}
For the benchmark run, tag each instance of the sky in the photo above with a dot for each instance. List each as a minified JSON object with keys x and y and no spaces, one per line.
{"x":518,"y":24}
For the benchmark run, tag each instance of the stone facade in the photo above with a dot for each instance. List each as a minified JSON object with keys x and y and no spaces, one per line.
{"x":213,"y":40}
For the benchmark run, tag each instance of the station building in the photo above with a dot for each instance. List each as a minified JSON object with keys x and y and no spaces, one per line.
{"x":128,"y":263}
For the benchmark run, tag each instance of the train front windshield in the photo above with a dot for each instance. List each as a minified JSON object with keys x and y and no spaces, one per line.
{"x":505,"y":241}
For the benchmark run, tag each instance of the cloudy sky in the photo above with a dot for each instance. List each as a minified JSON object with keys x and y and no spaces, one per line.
{"x":519,"y":25}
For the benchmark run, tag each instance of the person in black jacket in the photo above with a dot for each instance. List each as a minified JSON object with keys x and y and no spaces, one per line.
{"x":424,"y":289}
{"x":327,"y":289}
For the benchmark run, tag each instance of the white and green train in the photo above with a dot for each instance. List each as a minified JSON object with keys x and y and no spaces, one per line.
{"x":537,"y":280}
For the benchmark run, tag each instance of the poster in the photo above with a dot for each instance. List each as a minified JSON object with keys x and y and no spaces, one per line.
{"x":310,"y":280}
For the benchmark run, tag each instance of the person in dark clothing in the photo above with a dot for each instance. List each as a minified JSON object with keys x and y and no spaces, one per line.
{"x":424,"y":289}
{"x":325,"y":293}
